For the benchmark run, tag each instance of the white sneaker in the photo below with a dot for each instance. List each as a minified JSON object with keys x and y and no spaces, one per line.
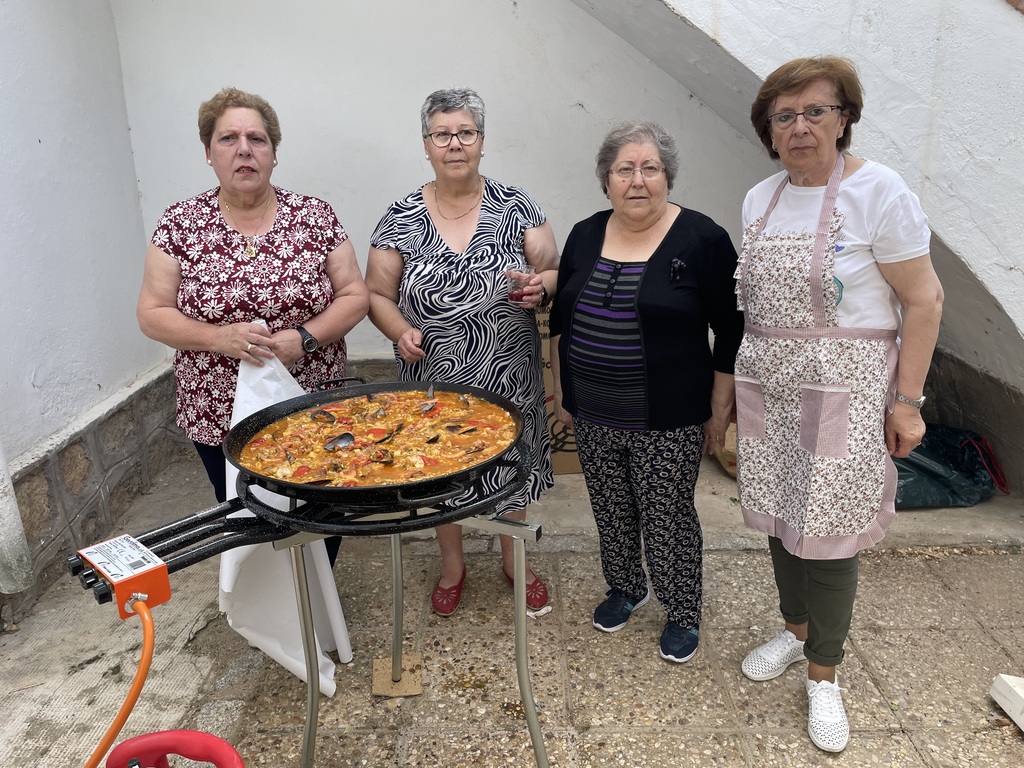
{"x":826,"y":718}
{"x":770,"y":660}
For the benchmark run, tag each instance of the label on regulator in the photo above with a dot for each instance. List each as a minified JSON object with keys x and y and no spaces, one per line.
{"x":121,"y":558}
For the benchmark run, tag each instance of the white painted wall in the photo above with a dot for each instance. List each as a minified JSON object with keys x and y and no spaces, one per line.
{"x":348,"y":79}
{"x":944,"y":91}
{"x":98,"y":104}
{"x":87,"y":136}
{"x":69,"y":211}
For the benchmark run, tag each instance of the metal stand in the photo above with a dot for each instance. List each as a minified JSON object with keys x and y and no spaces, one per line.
{"x":519,"y":531}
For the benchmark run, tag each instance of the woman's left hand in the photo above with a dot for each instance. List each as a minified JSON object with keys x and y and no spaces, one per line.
{"x":533,"y":292}
{"x":714,"y":432}
{"x":904,"y":430}
{"x":723,"y":411}
{"x":287,"y":345}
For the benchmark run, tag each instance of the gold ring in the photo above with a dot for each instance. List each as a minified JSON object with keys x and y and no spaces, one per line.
{"x":249,"y":348}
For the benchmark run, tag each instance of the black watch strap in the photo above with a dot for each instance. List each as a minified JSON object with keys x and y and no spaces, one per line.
{"x":309,"y":342}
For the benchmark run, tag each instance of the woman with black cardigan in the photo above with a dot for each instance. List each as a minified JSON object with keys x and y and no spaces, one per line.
{"x":638,"y":288}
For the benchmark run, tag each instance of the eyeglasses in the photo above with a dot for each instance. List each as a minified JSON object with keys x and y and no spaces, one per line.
{"x":444,"y":138}
{"x":813,"y":115}
{"x":627,"y":172}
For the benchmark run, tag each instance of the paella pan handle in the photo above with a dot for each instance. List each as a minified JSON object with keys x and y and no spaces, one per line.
{"x":335,"y":383}
{"x":453,"y":489}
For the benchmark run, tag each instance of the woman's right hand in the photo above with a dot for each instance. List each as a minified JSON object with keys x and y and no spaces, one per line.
{"x":244,"y":341}
{"x":408,"y":344}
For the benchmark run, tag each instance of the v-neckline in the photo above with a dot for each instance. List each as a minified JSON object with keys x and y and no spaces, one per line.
{"x":433,"y":225}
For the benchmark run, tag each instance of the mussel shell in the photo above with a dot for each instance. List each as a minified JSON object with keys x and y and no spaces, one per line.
{"x":391,"y":434}
{"x":382,"y":456}
{"x":322,"y":416}
{"x":344,"y":440}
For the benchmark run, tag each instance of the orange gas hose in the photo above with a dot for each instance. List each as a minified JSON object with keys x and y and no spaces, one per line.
{"x":148,"y":641}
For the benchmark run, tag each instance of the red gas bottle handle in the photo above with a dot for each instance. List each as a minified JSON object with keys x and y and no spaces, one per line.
{"x":151,"y":749}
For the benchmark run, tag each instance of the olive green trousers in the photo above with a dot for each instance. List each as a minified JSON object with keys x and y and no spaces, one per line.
{"x":819,"y":593}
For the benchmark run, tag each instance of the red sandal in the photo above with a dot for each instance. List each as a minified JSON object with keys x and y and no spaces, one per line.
{"x":445,"y":600}
{"x":536,"y":592}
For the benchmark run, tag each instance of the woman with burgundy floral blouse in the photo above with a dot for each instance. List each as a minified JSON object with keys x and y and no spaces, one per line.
{"x":241,"y":252}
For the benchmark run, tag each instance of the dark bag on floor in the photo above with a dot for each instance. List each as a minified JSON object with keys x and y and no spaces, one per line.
{"x":951,"y":468}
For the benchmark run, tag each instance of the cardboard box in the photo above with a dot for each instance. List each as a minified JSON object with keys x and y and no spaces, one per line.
{"x":564,"y":459}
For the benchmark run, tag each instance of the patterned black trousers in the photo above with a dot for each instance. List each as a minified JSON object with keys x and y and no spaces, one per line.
{"x":641,"y":485}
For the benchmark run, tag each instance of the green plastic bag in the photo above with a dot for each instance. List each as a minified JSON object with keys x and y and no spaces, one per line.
{"x":951,"y":468}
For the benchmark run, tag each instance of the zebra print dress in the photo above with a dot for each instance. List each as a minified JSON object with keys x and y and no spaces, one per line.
{"x":472,"y":333}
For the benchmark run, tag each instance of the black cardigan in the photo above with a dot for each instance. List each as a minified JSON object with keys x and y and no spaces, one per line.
{"x":687,"y":287}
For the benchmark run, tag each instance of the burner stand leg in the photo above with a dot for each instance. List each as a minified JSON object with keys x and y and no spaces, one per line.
{"x":396,"y":607}
{"x":523,"y":655}
{"x":309,"y":646}
{"x":519,"y":531}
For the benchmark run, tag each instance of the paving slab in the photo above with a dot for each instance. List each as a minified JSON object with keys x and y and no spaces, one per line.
{"x":940,"y":613}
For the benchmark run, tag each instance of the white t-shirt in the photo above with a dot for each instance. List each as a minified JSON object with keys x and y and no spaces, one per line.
{"x":884,"y":224}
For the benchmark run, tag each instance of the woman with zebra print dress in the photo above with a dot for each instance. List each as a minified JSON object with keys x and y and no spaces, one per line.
{"x":436,"y":273}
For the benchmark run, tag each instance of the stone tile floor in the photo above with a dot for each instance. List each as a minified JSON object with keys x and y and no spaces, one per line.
{"x":921,"y":657}
{"x":940,"y":613}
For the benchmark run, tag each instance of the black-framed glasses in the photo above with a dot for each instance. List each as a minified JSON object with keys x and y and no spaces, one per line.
{"x":813,"y":115}
{"x":466,"y":137}
{"x":648,"y":171}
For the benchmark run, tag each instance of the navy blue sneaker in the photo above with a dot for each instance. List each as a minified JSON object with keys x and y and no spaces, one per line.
{"x":613,"y":613}
{"x":678,"y":643}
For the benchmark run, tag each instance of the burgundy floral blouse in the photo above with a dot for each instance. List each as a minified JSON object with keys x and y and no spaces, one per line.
{"x":285,"y":284}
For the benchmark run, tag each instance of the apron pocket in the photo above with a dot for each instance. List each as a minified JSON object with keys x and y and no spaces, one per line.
{"x":749,"y":408}
{"x":825,"y":419}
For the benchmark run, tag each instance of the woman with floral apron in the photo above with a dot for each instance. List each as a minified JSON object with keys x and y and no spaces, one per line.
{"x":834,"y":267}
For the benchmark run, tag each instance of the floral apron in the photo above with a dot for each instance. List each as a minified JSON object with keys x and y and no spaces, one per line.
{"x":811,"y":396}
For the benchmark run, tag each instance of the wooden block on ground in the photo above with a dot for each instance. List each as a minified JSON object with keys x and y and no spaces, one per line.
{"x":1008,"y":692}
{"x":411,"y":683}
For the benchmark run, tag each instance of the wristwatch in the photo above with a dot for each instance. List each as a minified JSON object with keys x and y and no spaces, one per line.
{"x":309,"y":342}
{"x":909,"y":401}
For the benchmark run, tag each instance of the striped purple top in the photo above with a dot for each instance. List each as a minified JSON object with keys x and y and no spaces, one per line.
{"x":605,"y":355}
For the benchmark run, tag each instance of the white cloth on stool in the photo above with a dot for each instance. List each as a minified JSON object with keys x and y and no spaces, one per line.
{"x":256,"y":586}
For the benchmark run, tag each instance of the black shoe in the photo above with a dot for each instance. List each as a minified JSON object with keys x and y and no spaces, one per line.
{"x":614,"y":612}
{"x":678,"y":643}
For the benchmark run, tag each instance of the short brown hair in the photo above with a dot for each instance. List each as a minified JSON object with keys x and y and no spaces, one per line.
{"x":797,"y":74}
{"x":228,"y":98}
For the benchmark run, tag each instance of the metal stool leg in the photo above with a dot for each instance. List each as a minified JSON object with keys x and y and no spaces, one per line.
{"x":309,"y":646}
{"x":396,"y":607}
{"x":519,"y":531}
{"x":523,"y":655}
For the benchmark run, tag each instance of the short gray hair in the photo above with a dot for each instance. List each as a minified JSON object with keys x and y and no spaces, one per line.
{"x":637,"y":132}
{"x":451,"y":100}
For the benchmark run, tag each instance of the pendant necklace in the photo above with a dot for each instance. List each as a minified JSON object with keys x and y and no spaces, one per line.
{"x":461,"y":215}
{"x":250,"y":240}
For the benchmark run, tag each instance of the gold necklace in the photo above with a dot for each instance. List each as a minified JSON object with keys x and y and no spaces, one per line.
{"x":250,"y":240}
{"x":461,"y":215}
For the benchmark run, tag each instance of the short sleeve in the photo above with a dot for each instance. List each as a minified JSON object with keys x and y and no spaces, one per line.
{"x":902,"y":231}
{"x":384,"y":237}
